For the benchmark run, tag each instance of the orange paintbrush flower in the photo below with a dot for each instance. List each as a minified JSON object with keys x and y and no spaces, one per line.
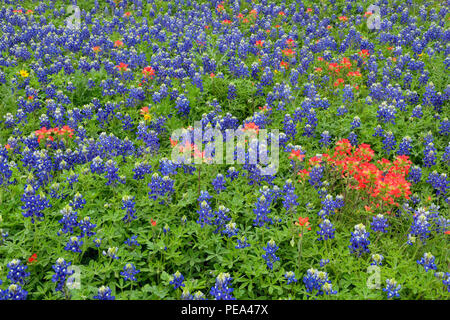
{"x":118,"y":44}
{"x":122,"y":67}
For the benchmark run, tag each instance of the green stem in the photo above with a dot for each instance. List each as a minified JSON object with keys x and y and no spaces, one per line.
{"x":199,"y":179}
{"x":300,"y":247}
{"x":328,"y":248}
{"x":35,"y":237}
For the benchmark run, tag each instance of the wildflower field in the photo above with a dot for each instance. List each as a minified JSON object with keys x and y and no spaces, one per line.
{"x":118,"y":179}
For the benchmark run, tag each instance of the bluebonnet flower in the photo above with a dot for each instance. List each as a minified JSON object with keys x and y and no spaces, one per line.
{"x":290,"y":277}
{"x":360,"y":240}
{"x":232,"y":173}
{"x":86,"y":227}
{"x":309,"y":130}
{"x":104,"y":293}
{"x":78,"y":201}
{"x":205,"y":214}
{"x":3,"y":235}
{"x":128,"y":204}
{"x":446,"y":155}
{"x":186,"y":295}
{"x":33,"y":204}
{"x":392,"y":288}
{"x":327,"y":288}
{"x":318,"y":281}
{"x":379,"y":223}
{"x":315,"y":176}
{"x":5,"y":169}
{"x":389,"y":142}
{"x":68,"y":221}
{"x":262,"y":209}
{"x":231,"y":91}
{"x":14,"y":292}
{"x":230,"y":229}
{"x":417,"y":112}
{"x":17,"y":272}
{"x":324,"y":262}
{"x":71,"y":179}
{"x":221,"y":218}
{"x":405,"y":146}
{"x":204,"y":196}
{"x":129,"y":272}
{"x":289,"y":198}
{"x":166,"y":228}
{"x":444,"y":127}
{"x":429,"y":158}
{"x":197,"y":81}
{"x":97,"y":242}
{"x":415,"y":174}
{"x":73,"y":245}
{"x":427,"y":261}
{"x":219,"y":183}
{"x":325,"y":141}
{"x":289,"y":128}
{"x":160,"y":187}
{"x":347,"y":94}
{"x":111,"y":252}
{"x":420,"y":226}
{"x":377,"y":260}
{"x":446,"y":280}
{"x":111,"y":173}
{"x":97,"y":165}
{"x":222,"y":289}
{"x":356,"y":123}
{"x":242,"y":243}
{"x":167,"y":167}
{"x":177,"y":280}
{"x":339,"y":202}
{"x":311,"y":117}
{"x":342,"y":110}
{"x":61,"y":273}
{"x":132,"y":241}
{"x":182,"y":105}
{"x":439,"y":182}
{"x":329,"y":206}
{"x":379,"y":132}
{"x":326,"y":230}
{"x":270,"y":256}
{"x":141,"y":169}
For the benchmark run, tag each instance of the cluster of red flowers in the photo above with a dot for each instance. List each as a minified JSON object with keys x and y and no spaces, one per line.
{"x":386,"y":182}
{"x":303,"y":223}
{"x":32,"y":259}
{"x":344,"y":72}
{"x":190,"y":148}
{"x":250,"y":18}
{"x":53,"y":133}
{"x":148,"y":72}
{"x":383,"y":181}
{"x":122,"y":67}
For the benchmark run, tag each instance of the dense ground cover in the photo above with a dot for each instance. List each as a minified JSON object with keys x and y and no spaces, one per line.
{"x":95,"y":206}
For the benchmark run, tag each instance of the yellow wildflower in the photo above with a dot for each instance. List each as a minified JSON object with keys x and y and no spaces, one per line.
{"x":24,"y":73}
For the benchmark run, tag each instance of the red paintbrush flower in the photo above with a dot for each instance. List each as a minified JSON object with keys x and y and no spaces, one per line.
{"x":122,"y":67}
{"x":33,"y":258}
